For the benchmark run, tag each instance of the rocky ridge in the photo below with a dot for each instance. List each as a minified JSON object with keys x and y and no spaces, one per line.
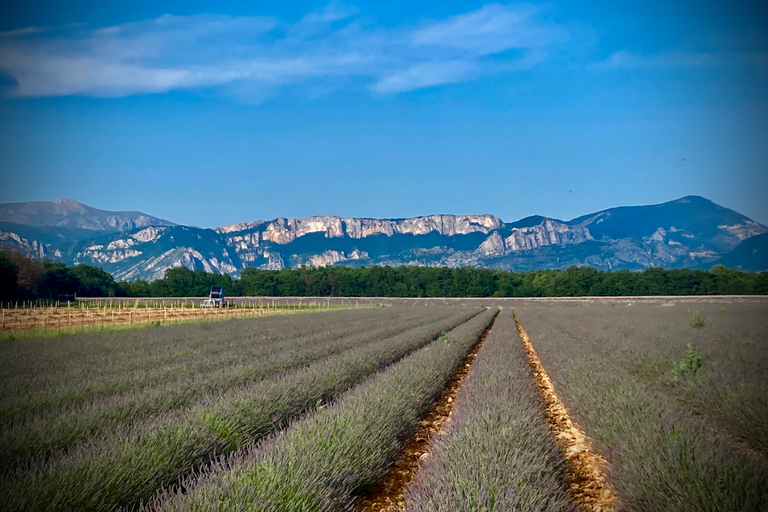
{"x":689,"y":232}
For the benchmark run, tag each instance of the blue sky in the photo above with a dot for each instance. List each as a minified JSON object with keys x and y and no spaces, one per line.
{"x":207,"y":113}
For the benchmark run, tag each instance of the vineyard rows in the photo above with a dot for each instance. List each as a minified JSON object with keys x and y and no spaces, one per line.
{"x":555,"y":406}
{"x":89,"y":314}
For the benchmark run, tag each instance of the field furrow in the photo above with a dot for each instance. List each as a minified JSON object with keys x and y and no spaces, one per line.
{"x":586,"y":468}
{"x":386,"y":496}
{"x":497,"y":453}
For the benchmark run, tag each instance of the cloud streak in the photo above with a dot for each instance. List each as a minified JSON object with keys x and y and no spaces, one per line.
{"x":263,"y":53}
{"x":675,"y":60}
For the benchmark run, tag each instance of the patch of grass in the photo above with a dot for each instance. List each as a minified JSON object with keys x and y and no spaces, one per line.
{"x":696,"y":319}
{"x":649,"y":367}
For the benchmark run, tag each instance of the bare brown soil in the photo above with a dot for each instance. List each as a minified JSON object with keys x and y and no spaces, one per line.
{"x":388,"y":496}
{"x":585,"y":468}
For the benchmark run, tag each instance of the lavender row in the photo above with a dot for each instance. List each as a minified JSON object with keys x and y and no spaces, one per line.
{"x":498,"y":453}
{"x":126,"y":467}
{"x":45,"y":433}
{"x":326,"y":461}
{"x":64,"y":371}
{"x":660,"y":456}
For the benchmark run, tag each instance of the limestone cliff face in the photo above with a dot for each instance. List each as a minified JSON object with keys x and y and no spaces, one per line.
{"x":245,"y":243}
{"x":149,"y":234}
{"x":30,"y":248}
{"x":274,"y":261}
{"x":448,"y":225}
{"x":493,"y":245}
{"x":328,"y":258}
{"x":283,"y":231}
{"x":239,"y":226}
{"x":744,"y":230}
{"x":154,"y":267}
{"x":549,"y":232}
{"x":120,"y":249}
{"x":248,"y":239}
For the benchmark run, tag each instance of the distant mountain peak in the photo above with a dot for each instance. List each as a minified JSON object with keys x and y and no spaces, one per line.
{"x":693,"y":199}
{"x":67,"y":205}
{"x":67,"y":213}
{"x":68,"y":201}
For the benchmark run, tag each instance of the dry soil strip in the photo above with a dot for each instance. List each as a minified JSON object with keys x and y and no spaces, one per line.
{"x":388,"y":495}
{"x":586,"y":480}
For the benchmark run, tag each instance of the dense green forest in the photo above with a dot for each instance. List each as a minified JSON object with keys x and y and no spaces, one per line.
{"x":23,"y":278}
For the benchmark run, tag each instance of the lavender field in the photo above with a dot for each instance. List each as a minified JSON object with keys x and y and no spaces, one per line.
{"x":121,"y":432}
{"x":674,"y":395}
{"x":315,"y":412}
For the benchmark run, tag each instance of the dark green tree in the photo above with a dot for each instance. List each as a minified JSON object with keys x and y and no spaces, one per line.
{"x":9,"y":277}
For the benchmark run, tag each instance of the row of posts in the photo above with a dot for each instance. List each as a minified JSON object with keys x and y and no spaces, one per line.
{"x":29,"y":306}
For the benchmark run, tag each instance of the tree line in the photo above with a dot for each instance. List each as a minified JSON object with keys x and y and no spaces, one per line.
{"x":22,"y":278}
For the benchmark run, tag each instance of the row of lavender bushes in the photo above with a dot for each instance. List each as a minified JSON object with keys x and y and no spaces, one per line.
{"x":498,"y":453}
{"x":327,"y":460}
{"x":661,"y":455}
{"x":125,"y":467}
{"x":46,"y":432}
{"x":45,"y":374}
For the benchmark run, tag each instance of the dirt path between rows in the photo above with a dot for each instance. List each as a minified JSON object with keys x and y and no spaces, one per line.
{"x":388,"y":496}
{"x":585,"y":468}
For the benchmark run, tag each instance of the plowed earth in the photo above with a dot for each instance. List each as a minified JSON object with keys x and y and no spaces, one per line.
{"x":388,"y":495}
{"x":585,"y":468}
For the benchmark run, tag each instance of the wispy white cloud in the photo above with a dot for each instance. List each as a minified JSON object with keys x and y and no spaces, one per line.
{"x":22,"y":31}
{"x":426,"y":74}
{"x":672,"y":60}
{"x":262,"y":53}
{"x":319,"y":22}
{"x":490,"y":30}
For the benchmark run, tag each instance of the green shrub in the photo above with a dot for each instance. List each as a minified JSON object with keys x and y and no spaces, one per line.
{"x":687,"y":367}
{"x":696,"y":319}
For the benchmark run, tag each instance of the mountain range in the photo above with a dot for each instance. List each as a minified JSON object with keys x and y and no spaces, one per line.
{"x":690,"y":232}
